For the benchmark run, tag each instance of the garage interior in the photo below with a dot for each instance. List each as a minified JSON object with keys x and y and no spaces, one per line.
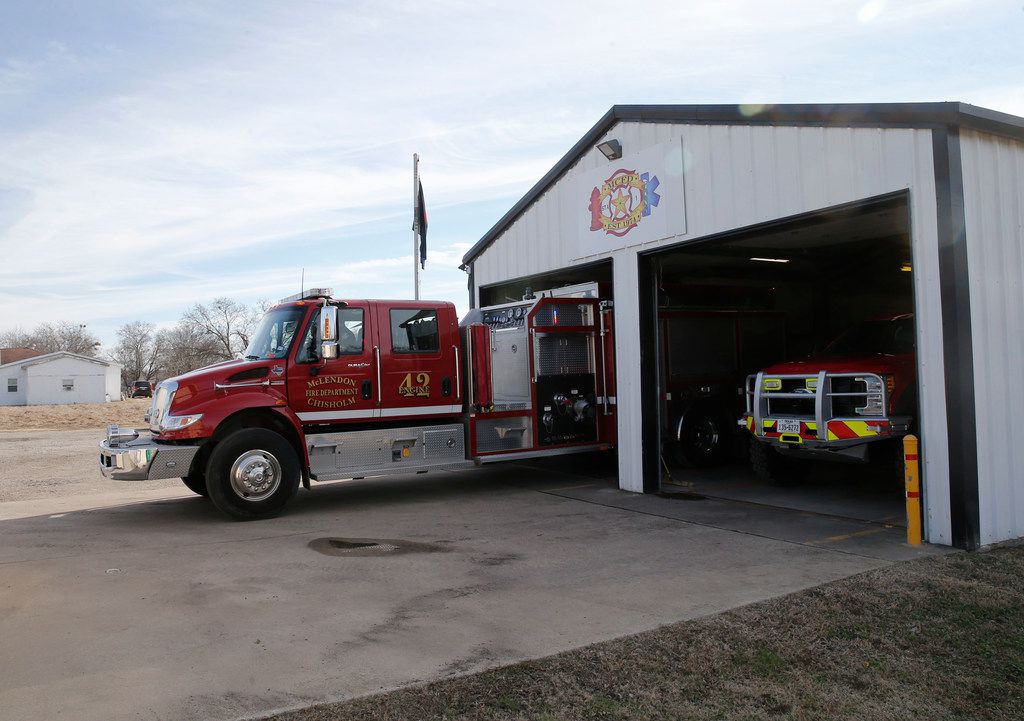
{"x":732,"y":305}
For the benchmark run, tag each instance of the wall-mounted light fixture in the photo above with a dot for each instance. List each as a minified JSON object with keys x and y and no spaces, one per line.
{"x":772,"y":260}
{"x":611,"y":149}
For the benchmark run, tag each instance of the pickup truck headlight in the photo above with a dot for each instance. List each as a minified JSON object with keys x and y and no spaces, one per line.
{"x":873,"y":405}
{"x":177,"y":423}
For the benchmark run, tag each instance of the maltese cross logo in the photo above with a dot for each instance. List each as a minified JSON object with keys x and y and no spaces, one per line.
{"x":622,"y":201}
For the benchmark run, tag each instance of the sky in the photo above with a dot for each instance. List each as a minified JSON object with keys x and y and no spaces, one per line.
{"x":158,"y":154}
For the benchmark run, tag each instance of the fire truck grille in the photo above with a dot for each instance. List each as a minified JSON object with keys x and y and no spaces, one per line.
{"x":846,"y":406}
{"x":563,"y":354}
{"x":791,"y":407}
{"x":565,"y":314}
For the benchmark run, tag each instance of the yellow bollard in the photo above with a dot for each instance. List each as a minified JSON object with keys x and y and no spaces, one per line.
{"x":913,"y":487}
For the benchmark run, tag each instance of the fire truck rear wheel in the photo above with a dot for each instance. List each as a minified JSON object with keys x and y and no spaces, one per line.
{"x":704,"y":439}
{"x":196,"y":483}
{"x":772,"y":467}
{"x":252,"y":474}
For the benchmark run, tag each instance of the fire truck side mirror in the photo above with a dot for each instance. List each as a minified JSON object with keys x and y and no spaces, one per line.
{"x":329,"y":350}
{"x":328,"y":323}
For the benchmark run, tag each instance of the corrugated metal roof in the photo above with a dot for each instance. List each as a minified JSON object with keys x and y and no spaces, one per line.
{"x":46,"y":358}
{"x":898,"y":115}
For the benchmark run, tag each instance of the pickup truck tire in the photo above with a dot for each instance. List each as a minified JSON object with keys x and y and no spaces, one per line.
{"x":704,"y":439}
{"x":252,"y":474}
{"x":197,"y":484}
{"x":772,"y":467}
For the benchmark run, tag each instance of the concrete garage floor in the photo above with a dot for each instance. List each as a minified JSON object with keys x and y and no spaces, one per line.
{"x":161,"y":608}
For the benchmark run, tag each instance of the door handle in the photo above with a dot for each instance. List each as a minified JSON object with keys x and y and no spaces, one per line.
{"x":367,"y":390}
{"x":376,"y":357}
{"x":446,"y":386}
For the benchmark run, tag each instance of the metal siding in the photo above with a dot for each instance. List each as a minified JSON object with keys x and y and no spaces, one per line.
{"x":629,"y":402}
{"x":18,"y":397}
{"x":43,"y":383}
{"x":735,"y":176}
{"x":993,"y":171}
{"x":931,"y":376}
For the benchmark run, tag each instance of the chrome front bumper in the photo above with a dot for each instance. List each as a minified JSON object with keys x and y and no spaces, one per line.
{"x":144,"y":460}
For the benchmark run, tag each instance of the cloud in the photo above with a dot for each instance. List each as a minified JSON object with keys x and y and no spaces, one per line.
{"x":152,"y":156}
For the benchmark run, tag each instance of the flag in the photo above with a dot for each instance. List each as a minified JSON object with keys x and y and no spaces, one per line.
{"x":421,"y":225}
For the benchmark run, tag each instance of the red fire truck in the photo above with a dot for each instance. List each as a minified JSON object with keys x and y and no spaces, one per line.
{"x":854,"y":400}
{"x":334,"y":389}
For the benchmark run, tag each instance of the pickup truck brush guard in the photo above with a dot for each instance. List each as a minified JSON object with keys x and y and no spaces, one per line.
{"x":822,"y":411}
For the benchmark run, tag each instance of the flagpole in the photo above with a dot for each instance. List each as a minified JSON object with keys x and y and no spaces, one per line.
{"x":415,"y":225}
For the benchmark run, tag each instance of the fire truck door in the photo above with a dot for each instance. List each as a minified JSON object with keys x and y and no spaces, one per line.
{"x":338,"y":389}
{"x":418,"y":360}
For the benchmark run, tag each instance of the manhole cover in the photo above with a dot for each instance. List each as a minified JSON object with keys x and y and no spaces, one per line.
{"x":356,"y":547}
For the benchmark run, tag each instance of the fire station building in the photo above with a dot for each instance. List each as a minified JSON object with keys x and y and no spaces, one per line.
{"x":731,"y":238}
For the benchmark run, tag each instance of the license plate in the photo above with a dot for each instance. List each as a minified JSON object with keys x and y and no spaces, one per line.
{"x":787,"y":425}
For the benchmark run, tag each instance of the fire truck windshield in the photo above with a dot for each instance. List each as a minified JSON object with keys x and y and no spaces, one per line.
{"x":275,"y":334}
{"x":881,"y":337}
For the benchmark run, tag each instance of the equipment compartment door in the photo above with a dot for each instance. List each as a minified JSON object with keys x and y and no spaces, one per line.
{"x":418,"y":357}
{"x":339,"y":389}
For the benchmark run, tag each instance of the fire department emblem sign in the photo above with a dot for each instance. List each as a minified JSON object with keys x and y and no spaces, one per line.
{"x":620,"y":203}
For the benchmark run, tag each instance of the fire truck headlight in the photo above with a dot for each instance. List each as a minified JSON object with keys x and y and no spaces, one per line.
{"x":177,"y":423}
{"x":873,"y":397}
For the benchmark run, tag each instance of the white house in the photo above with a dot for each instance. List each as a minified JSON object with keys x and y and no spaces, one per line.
{"x":56,"y":378}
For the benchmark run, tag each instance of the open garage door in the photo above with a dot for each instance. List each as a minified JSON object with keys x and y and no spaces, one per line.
{"x":787,"y":367}
{"x":518,"y":288}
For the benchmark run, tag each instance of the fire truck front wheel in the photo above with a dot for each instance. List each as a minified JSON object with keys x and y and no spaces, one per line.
{"x":196,"y":483}
{"x":772,"y":467}
{"x":252,"y":474}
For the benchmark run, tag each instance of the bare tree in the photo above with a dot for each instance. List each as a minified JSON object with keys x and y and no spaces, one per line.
{"x":16,"y":338}
{"x":138,"y":351}
{"x":52,"y":337}
{"x":184,"y":348}
{"x":226,"y":322}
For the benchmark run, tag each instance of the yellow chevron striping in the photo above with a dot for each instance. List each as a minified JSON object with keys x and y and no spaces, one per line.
{"x":860,"y":428}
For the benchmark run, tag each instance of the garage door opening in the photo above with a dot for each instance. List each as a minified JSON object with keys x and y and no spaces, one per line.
{"x":787,"y":365}
{"x":599,"y":273}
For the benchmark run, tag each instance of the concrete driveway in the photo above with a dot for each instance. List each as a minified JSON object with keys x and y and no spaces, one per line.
{"x":161,"y":608}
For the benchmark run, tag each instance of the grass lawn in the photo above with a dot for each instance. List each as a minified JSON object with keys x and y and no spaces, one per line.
{"x":939,"y":638}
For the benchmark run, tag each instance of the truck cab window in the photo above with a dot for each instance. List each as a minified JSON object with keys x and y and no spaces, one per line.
{"x":350,"y":335}
{"x":414,"y":331}
{"x":350,"y":330}
{"x":274,"y":336}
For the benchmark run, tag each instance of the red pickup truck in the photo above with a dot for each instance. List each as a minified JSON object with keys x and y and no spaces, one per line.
{"x":852,"y":402}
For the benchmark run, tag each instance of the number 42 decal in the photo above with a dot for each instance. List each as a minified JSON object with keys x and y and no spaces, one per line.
{"x":418,"y":389}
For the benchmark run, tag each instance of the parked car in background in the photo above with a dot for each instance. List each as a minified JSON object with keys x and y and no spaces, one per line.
{"x":141,"y":389}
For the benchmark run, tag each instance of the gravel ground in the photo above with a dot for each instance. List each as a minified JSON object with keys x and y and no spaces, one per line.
{"x":128,"y":413}
{"x":50,"y":451}
{"x":57,"y":464}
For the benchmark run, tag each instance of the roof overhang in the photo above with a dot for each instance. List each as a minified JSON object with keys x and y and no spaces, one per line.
{"x":46,"y":358}
{"x":870,"y":115}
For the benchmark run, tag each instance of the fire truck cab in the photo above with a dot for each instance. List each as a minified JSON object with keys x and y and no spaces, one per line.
{"x":333,"y":389}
